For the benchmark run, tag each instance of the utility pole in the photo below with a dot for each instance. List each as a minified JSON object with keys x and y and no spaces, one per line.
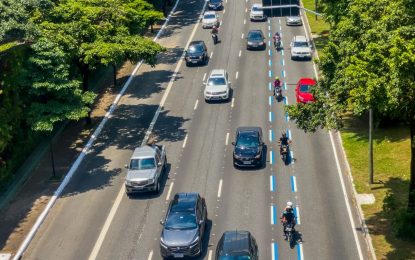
{"x":315,"y":7}
{"x":52,"y":157}
{"x":370,"y":146}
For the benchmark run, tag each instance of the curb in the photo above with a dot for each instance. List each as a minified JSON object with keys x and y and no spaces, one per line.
{"x":360,"y":214}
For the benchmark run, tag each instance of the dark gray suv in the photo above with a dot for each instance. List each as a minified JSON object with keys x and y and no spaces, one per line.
{"x":184,"y":226}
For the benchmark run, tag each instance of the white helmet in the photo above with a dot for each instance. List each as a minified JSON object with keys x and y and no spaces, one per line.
{"x":289,"y":205}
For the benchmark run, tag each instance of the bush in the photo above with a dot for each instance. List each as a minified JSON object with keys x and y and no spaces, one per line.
{"x":402,"y":224}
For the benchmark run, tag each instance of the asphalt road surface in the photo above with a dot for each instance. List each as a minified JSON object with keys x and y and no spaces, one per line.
{"x":94,"y":219}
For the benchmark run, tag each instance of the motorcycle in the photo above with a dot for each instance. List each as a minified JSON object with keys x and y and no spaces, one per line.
{"x":277,"y":44}
{"x":289,"y":233}
{"x":215,"y":38}
{"x":284,"y":152}
{"x":278,"y":92}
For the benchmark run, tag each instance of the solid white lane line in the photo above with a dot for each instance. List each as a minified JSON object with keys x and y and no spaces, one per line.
{"x":242,"y":36}
{"x":169,"y":192}
{"x":150,"y":256}
{"x":107,"y":224}
{"x":204,"y":76}
{"x":233,"y":101}
{"x":240,"y":52}
{"x":211,"y":54}
{"x":184,"y":142}
{"x":227,"y":139}
{"x":220,"y":188}
{"x":210,"y":254}
{"x":236,"y":76}
{"x":346,"y":197}
{"x":197,"y":102}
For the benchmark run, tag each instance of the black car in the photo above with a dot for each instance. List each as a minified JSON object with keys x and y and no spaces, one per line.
{"x":196,"y":53}
{"x":215,"y":5}
{"x":248,"y":147}
{"x":184,"y":226}
{"x":237,"y":245}
{"x":255,"y":40}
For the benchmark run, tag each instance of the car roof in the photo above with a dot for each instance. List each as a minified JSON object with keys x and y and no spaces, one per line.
{"x":217,"y":73}
{"x":254,"y":31}
{"x":307,"y":81}
{"x":235,"y":242}
{"x":300,"y":38}
{"x":184,"y":202}
{"x":143,"y":151}
{"x":249,"y":129}
{"x":210,"y":12}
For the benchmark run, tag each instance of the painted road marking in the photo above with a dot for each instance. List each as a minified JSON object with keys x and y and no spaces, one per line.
{"x":289,"y":133}
{"x":271,"y":135}
{"x":269,"y":27}
{"x":210,"y":254}
{"x":279,"y":21}
{"x":270,"y":100}
{"x":242,"y":36}
{"x":236,"y":76}
{"x":169,"y":192}
{"x":285,"y":100}
{"x":269,"y":52}
{"x":297,"y":214}
{"x":283,"y":62}
{"x":292,"y":156}
{"x":272,"y":183}
{"x":211,"y":54}
{"x":282,"y":52}
{"x":273,"y":215}
{"x":204,"y":76}
{"x":293,"y":184}
{"x":244,"y":21}
{"x":274,"y":251}
{"x":270,"y":117}
{"x":240,"y":53}
{"x":269,"y":86}
{"x":224,"y":10}
{"x":271,"y":157}
{"x":269,"y":35}
{"x":280,"y":28}
{"x":220,"y":188}
{"x":184,"y":142}
{"x":197,"y":102}
{"x":269,"y":62}
{"x":269,"y":43}
{"x":287,"y":118}
{"x":270,"y":73}
{"x":285,"y":85}
{"x":246,"y":9}
{"x":283,"y":73}
{"x":269,"y":21}
{"x":300,"y":255}
{"x":150,"y":256}
{"x":233,"y":102}
{"x":227,"y":139}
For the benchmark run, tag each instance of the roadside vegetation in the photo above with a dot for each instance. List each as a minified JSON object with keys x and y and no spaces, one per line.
{"x":365,"y":62}
{"x":48,"y":52}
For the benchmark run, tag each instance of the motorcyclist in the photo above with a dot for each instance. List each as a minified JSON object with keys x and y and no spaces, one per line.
{"x":215,"y":32}
{"x":284,"y":141}
{"x":288,"y":217}
{"x":277,"y":38}
{"x":277,"y":85}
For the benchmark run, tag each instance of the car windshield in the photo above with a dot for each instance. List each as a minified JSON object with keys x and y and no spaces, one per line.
{"x":235,"y":257}
{"x":196,"y":48}
{"x":255,"y":9}
{"x":255,"y":36}
{"x":181,"y":220}
{"x":247,"y":140}
{"x":216,"y":81}
{"x":300,"y":44}
{"x":209,"y":16}
{"x":142,"y":164}
{"x":305,"y":88}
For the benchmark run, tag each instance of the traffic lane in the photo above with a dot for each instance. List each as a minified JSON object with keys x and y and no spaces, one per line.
{"x":245,"y":203}
{"x":129,"y":120}
{"x":201,"y":162}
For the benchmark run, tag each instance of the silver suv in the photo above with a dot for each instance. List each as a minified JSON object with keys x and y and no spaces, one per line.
{"x":217,"y":86}
{"x":300,"y":48}
{"x":146,"y":168}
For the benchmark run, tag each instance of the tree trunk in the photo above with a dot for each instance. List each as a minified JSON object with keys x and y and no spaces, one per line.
{"x":114,"y":71}
{"x":85,"y":77}
{"x":411,"y":198}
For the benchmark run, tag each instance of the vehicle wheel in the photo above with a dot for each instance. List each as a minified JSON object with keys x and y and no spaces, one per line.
{"x":187,"y":64}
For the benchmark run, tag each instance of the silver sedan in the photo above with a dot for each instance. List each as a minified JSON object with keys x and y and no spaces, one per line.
{"x":293,"y":20}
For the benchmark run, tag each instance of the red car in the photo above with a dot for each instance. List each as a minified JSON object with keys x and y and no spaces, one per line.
{"x":303,"y":90}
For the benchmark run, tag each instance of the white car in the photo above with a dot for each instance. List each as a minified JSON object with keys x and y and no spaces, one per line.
{"x":293,"y":20}
{"x":300,"y":48}
{"x":217,"y":86}
{"x":210,"y":19}
{"x":257,"y":14}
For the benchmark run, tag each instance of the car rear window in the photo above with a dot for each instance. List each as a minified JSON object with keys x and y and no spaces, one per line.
{"x":255,"y":8}
{"x":142,"y":164}
{"x":300,"y":44}
{"x":305,"y":88}
{"x":209,"y":16}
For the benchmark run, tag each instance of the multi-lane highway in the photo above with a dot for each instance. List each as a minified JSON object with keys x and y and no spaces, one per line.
{"x":94,"y":219}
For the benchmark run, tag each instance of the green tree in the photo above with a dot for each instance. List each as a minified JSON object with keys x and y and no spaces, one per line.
{"x":55,"y":97}
{"x":369,"y":62}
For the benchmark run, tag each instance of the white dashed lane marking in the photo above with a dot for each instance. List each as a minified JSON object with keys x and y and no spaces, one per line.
{"x":197,"y":102}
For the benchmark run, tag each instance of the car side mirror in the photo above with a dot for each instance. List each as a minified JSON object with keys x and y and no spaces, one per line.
{"x":233,"y":143}
{"x":126,"y":166}
{"x":162,"y":222}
